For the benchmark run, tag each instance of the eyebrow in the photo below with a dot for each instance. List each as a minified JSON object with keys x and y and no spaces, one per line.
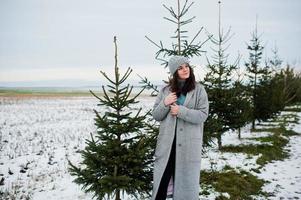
{"x":183,"y":66}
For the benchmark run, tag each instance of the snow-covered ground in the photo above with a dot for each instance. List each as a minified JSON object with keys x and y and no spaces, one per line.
{"x":285,"y":176}
{"x":41,"y":133}
{"x":38,"y":135}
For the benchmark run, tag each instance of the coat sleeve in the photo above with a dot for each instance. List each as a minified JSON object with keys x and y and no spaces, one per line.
{"x":198,"y":115}
{"x":159,"y":109}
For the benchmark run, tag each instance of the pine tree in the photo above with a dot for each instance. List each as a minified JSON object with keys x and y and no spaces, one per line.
{"x":276,"y":82}
{"x":290,"y":85}
{"x":119,"y":157}
{"x":254,"y":71}
{"x":180,"y":46}
{"x":270,"y":94}
{"x":297,"y":83}
{"x":275,"y":62}
{"x":266,"y":95}
{"x":218,"y":86}
{"x":240,"y":106}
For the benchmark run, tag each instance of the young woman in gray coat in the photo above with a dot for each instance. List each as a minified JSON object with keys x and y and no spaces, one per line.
{"x":181,"y":108}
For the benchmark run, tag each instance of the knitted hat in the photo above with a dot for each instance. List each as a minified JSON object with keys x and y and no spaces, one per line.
{"x":175,"y":62}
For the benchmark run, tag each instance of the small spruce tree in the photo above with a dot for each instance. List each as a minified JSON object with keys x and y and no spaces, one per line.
{"x":255,"y":71}
{"x":275,"y":62}
{"x":265,"y":95}
{"x":290,"y":85}
{"x":240,"y":105}
{"x":269,"y":97}
{"x":119,"y":157}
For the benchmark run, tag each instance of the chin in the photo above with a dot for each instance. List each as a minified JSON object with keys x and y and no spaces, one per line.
{"x":184,"y":77}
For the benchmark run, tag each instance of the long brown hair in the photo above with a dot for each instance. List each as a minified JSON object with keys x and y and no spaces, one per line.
{"x":188,"y":86}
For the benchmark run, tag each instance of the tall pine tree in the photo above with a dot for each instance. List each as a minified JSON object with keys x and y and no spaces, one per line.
{"x":180,"y":44}
{"x":119,"y":157}
{"x":255,"y":71}
{"x":218,"y":82}
{"x":275,"y":65}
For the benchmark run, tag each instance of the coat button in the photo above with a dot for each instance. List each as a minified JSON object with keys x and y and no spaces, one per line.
{"x":181,"y":129}
{"x":179,"y":145}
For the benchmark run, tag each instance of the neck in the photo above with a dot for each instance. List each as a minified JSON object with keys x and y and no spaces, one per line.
{"x":181,"y":83}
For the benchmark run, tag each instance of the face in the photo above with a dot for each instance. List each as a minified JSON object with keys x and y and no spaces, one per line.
{"x":183,"y":71}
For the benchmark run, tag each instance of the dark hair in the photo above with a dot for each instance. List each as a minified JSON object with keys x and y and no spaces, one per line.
{"x":188,"y":86}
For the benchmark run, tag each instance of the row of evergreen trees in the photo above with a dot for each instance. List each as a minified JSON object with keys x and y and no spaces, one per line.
{"x":119,"y":157}
{"x":261,"y":94}
{"x":235,"y":99}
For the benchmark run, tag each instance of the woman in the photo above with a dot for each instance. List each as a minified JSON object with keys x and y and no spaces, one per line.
{"x":181,"y":107}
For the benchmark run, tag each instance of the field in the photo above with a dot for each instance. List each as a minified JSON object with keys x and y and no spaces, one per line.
{"x":38,"y":133}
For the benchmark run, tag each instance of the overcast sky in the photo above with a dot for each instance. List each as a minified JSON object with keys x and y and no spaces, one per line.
{"x":69,"y":41}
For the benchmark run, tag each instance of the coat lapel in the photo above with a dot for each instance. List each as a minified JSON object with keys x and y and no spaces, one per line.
{"x":188,"y":97}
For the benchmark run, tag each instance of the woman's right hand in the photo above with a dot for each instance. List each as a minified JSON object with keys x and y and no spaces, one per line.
{"x":170,"y":99}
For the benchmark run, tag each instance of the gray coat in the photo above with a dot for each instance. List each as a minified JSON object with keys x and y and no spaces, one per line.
{"x":189,"y":130}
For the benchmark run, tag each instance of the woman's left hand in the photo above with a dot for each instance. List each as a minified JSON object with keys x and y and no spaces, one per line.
{"x":174,"y":109}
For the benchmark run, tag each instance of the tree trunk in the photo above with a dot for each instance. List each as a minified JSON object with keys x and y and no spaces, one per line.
{"x":117,"y":195}
{"x":253,"y":124}
{"x":219,"y":140}
{"x":239,"y":136}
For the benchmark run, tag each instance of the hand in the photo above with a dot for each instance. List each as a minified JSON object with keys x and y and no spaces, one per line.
{"x":170,"y":99}
{"x":174,"y":109}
